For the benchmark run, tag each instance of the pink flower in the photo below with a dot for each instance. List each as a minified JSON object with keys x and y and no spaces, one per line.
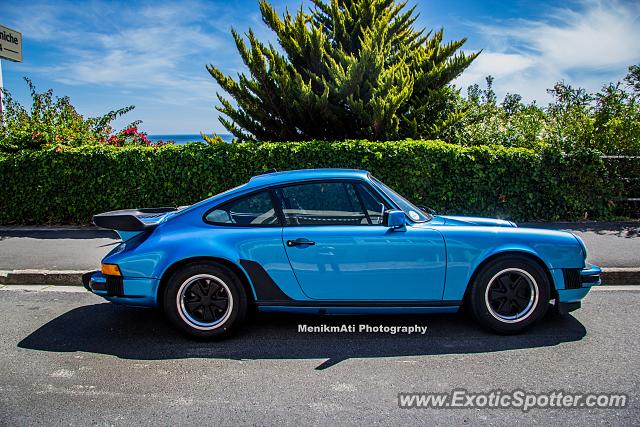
{"x":114,"y":140}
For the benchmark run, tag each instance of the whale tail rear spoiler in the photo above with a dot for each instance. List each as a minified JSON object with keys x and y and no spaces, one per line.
{"x":131,"y":219}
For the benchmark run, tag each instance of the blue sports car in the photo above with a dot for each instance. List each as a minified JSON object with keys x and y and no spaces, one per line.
{"x":334,"y":241}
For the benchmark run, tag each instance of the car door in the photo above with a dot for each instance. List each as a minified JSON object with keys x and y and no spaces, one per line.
{"x":339,"y":248}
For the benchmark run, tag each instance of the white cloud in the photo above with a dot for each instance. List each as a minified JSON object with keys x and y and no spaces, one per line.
{"x":604,"y":35}
{"x":499,"y":65}
{"x":152,"y":55}
{"x":586,"y":46}
{"x":162,"y":48}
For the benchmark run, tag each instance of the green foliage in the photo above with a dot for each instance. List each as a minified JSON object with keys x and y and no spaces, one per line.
{"x":633,"y":79}
{"x":508,"y":124}
{"x":68,"y":186}
{"x":212,"y":139}
{"x":608,"y":120}
{"x":55,"y":122}
{"x":347,"y":69}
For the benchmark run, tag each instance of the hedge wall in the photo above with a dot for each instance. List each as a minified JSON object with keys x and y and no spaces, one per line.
{"x":69,"y":186}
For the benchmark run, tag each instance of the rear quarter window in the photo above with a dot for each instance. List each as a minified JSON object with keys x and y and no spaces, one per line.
{"x":255,"y":210}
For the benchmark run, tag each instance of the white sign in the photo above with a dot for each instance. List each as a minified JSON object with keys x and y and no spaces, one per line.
{"x":10,"y":44}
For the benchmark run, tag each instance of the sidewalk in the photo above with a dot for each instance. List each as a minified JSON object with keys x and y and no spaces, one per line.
{"x":609,"y":244}
{"x":58,"y":255}
{"x":49,"y":248}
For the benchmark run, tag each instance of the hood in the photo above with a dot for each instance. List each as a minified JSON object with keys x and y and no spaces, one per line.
{"x":475,"y":221}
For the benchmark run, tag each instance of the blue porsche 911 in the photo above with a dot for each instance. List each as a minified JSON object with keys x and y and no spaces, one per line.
{"x":334,"y":241}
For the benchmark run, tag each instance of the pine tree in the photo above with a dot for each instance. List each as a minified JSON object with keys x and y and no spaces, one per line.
{"x":347,"y":69}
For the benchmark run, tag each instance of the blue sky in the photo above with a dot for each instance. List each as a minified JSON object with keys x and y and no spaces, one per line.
{"x":106,"y":55}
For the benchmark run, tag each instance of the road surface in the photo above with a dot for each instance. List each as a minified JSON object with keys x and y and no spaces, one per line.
{"x":70,"y":358}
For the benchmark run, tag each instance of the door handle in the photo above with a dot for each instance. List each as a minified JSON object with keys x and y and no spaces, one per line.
{"x":300,"y":242}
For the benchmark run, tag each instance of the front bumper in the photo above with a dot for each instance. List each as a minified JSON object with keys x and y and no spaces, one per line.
{"x":590,"y":276}
{"x":128,"y":291}
{"x":576,"y":284}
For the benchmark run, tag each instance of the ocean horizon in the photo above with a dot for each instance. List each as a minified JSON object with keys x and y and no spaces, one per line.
{"x":181,"y":139}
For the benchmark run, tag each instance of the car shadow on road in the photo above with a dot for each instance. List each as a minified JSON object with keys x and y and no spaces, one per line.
{"x":143,"y":334}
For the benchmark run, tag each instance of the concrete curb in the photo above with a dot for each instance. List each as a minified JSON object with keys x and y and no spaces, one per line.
{"x":42,"y":277}
{"x":613,"y":276}
{"x":610,"y":277}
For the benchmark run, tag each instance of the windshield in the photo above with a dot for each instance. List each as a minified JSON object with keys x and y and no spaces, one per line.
{"x":412,"y":211}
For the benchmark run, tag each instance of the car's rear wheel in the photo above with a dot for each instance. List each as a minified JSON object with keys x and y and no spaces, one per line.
{"x":205,"y":300}
{"x":510,"y":294}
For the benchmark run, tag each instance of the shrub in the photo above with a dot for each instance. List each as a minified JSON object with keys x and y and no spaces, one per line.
{"x":70,"y":185}
{"x":608,"y":121}
{"x":53,"y":121}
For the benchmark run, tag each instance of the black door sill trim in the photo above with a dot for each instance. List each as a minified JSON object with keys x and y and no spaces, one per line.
{"x":358,"y":303}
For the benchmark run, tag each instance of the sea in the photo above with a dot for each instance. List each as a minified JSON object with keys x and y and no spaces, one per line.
{"x":186,"y":138}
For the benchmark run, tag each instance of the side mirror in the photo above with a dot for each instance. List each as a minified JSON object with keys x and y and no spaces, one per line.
{"x":395,"y":219}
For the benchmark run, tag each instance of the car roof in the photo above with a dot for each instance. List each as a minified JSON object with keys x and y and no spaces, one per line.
{"x":274,"y":178}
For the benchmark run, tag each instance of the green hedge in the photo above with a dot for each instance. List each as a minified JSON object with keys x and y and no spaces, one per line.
{"x":40,"y":187}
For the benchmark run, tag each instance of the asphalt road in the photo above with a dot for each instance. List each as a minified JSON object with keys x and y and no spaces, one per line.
{"x":614,"y":244}
{"x":70,"y":358}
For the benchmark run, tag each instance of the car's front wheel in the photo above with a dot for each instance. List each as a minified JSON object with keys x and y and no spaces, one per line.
{"x":205,"y":300}
{"x":510,"y":294}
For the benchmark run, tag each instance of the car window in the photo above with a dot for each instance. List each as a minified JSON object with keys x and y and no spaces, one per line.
{"x":326,"y":203}
{"x":373,"y":205}
{"x":412,"y":211}
{"x":254,"y":210}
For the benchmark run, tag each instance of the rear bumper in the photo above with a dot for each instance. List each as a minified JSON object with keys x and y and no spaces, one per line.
{"x":128,"y":291}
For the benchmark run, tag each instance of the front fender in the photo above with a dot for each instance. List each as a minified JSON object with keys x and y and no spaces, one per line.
{"x":469,"y":248}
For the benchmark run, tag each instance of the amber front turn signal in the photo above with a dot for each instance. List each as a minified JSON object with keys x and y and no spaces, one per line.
{"x":111,"y":270}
